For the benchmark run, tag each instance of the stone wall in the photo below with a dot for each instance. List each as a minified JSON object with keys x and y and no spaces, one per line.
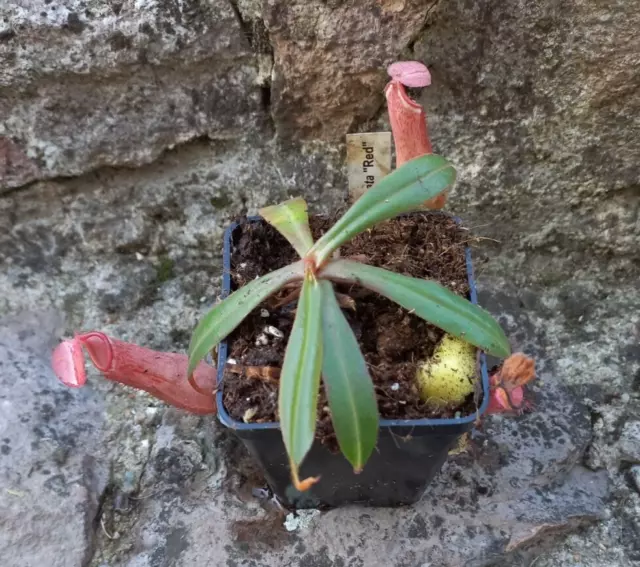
{"x":133,"y":131}
{"x":536,"y":102}
{"x":86,"y":84}
{"x":539,"y":105}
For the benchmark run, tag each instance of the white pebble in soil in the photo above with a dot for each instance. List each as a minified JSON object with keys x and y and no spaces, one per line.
{"x":274,"y":332}
{"x":249,"y":414}
{"x":262,"y":340}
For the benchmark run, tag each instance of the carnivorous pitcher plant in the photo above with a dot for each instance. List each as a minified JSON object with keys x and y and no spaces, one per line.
{"x":322,"y":343}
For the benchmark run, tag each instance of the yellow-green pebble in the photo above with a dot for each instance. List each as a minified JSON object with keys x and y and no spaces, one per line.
{"x":447,"y":378}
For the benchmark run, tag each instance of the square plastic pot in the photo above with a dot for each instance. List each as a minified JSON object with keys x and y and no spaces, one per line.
{"x":408,"y":455}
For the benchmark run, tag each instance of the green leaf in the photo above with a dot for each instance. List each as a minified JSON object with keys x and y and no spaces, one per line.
{"x":430,"y":301}
{"x":352,"y":399}
{"x":292,"y":221}
{"x":403,"y":190}
{"x":300,"y":377}
{"x":228,"y":314}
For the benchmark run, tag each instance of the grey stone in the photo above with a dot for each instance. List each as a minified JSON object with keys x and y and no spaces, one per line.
{"x":615,"y":444}
{"x":516,"y":485}
{"x":473,"y":514}
{"x":88,"y":84}
{"x":187,"y":505}
{"x":129,"y":233}
{"x":536,"y":104}
{"x":635,"y":476}
{"x":127,"y":285}
{"x":329,"y":60}
{"x":630,"y":442}
{"x":543,"y":148}
{"x":15,"y":166}
{"x":174,"y":459}
{"x":52,"y":472}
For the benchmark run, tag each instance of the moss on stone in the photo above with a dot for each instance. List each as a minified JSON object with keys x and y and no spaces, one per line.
{"x":164,"y":269}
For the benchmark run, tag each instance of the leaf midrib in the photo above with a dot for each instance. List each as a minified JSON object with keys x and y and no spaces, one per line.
{"x":354,"y":411}
{"x":298,"y":386}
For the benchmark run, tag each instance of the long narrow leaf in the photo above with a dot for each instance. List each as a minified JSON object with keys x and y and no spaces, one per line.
{"x":403,"y":190}
{"x":430,"y":301}
{"x":292,"y":221}
{"x":300,"y":379}
{"x":228,"y":314}
{"x":352,"y":399}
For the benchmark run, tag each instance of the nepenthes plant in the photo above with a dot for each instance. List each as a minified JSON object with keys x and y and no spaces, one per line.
{"x":321,"y":343}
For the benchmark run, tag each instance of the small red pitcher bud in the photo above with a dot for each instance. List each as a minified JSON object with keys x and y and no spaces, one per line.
{"x":507,"y":384}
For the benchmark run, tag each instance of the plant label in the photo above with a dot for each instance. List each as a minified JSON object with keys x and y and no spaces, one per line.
{"x":368,"y":160}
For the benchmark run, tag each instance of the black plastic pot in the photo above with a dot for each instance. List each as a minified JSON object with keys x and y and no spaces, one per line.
{"x":408,"y":455}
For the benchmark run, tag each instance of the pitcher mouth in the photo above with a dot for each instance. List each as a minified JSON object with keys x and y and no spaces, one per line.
{"x":68,"y":360}
{"x":99,"y":348}
{"x":404,"y":97}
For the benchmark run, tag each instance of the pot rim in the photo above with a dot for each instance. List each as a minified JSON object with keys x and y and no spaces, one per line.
{"x":223,"y":346}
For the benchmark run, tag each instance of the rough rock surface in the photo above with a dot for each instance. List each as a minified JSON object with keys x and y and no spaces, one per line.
{"x":517,"y":485}
{"x":329,"y":60}
{"x":181,"y":489}
{"x":52,"y":474}
{"x":92,"y":83}
{"x":537,"y":105}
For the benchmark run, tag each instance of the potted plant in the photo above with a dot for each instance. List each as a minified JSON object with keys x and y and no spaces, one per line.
{"x":321,"y":342}
{"x":361,"y":458}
